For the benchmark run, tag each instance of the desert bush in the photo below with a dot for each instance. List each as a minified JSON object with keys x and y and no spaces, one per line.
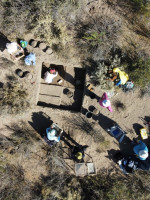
{"x":13,"y":185}
{"x":83,"y":124}
{"x":97,"y":36}
{"x":139,"y":71}
{"x":119,"y":105}
{"x":117,"y":186}
{"x":21,"y":16}
{"x":5,"y":63}
{"x":94,"y":37}
{"x":137,"y":66}
{"x":13,"y":98}
{"x":98,"y":71}
{"x":141,"y":6}
{"x":22,"y":134}
{"x":145,"y":92}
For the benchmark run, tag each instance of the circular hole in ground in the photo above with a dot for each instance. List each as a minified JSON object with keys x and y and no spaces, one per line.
{"x":66,"y":90}
{"x":88,"y":114}
{"x":20,"y":73}
{"x":91,"y":108}
{"x":84,"y":111}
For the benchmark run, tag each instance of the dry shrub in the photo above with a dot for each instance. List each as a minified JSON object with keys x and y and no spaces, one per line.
{"x":5,"y":63}
{"x":13,"y":185}
{"x":105,"y":186}
{"x":21,"y":15}
{"x":97,"y":36}
{"x":84,"y":125}
{"x":13,"y":98}
{"x":119,"y":106}
{"x":22,"y":134}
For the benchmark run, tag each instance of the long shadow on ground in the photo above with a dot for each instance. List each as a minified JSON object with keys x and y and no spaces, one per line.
{"x":126,"y":145}
{"x":40,"y":121}
{"x":3,"y":41}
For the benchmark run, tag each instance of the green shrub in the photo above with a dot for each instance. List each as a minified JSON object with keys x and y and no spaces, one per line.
{"x":141,"y":6}
{"x":139,"y":72}
{"x":94,"y":37}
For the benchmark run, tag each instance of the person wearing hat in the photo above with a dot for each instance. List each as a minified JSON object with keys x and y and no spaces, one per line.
{"x":50,"y":75}
{"x":51,"y":134}
{"x":141,"y":150}
{"x":23,"y":43}
{"x":104,"y":102}
{"x":78,"y":153}
{"x":122,"y":75}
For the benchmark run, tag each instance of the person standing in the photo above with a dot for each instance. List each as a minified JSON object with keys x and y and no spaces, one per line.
{"x":105,"y":102}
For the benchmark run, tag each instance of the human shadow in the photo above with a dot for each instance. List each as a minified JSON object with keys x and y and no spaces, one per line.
{"x":44,"y":70}
{"x":137,"y":128}
{"x":126,"y":145}
{"x":66,"y":137}
{"x":114,"y":155}
{"x":78,"y":98}
{"x":73,"y":147}
{"x":3,"y":42}
{"x":105,"y":122}
{"x":147,"y":118}
{"x":91,"y":94}
{"x":40,"y":121}
{"x":62,"y":73}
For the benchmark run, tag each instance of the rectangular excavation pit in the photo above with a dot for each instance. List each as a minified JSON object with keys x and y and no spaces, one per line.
{"x":59,"y":95}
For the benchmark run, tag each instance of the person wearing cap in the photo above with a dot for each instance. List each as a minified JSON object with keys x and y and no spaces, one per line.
{"x":51,"y":134}
{"x":104,"y":102}
{"x":141,"y":150}
{"x":122,"y":75}
{"x":23,"y":43}
{"x":78,"y":153}
{"x":50,"y":75}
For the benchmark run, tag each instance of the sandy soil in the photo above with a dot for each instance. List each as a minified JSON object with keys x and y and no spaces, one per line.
{"x":39,"y":118}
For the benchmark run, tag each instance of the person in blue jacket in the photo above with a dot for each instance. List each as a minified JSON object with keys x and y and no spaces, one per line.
{"x":51,"y":134}
{"x":141,"y":150}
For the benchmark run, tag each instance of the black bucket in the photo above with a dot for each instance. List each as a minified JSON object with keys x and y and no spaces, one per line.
{"x":91,"y":108}
{"x":88,"y":114}
{"x":92,"y":95}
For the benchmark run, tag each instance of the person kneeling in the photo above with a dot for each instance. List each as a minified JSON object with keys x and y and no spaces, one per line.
{"x":50,"y":75}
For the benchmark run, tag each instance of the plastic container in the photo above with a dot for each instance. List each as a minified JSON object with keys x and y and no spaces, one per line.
{"x":88,"y":114}
{"x":143,"y":133}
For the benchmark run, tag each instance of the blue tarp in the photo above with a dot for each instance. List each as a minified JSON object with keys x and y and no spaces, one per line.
{"x":30,"y":59}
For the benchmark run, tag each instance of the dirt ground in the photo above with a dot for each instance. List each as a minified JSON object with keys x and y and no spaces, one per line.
{"x":39,"y":117}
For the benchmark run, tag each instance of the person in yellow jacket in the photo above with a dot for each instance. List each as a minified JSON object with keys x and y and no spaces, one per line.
{"x":122,"y":75}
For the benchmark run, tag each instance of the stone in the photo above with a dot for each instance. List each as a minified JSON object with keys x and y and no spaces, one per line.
{"x":34,"y":43}
{"x":49,"y":51}
{"x":42,"y":46}
{"x":95,"y":112}
{"x":28,"y":76}
{"x":69,"y":94}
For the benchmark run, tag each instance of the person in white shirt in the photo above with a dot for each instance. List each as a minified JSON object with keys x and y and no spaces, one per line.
{"x":50,"y":75}
{"x":11,"y":47}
